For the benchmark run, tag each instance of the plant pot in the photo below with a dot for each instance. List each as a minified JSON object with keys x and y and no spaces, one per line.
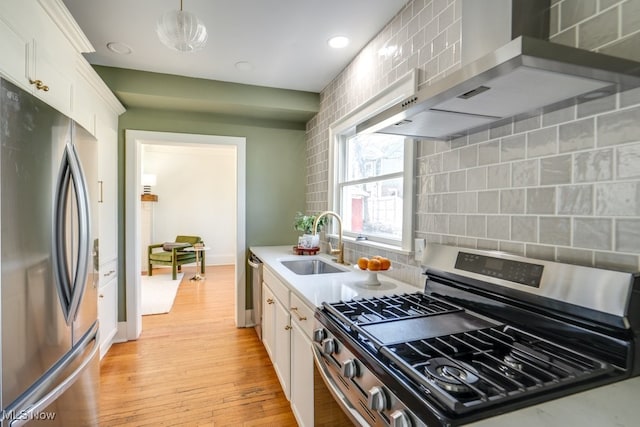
{"x":309,"y":241}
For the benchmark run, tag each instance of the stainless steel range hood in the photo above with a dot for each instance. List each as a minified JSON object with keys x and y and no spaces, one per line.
{"x":521,"y":77}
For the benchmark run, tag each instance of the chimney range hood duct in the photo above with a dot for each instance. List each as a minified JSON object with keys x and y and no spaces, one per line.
{"x":520,"y":77}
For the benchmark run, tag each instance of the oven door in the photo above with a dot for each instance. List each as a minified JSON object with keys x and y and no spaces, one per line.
{"x":331,"y":407}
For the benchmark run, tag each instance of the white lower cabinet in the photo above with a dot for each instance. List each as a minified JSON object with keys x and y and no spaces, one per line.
{"x":287,"y":327}
{"x":301,"y":376}
{"x":108,"y":305}
{"x":276,"y":328}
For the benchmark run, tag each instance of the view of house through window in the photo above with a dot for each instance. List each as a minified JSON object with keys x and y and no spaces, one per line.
{"x":371,"y":187}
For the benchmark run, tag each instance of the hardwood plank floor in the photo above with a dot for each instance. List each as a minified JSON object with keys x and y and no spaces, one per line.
{"x":193,"y":367}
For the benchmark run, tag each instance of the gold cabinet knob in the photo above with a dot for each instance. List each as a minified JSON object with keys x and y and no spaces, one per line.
{"x":39,"y":85}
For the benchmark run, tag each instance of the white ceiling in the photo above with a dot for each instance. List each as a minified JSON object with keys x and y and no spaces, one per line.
{"x":285,"y":41}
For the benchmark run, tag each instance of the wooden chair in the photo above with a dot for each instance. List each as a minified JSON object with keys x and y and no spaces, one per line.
{"x":173,"y":254}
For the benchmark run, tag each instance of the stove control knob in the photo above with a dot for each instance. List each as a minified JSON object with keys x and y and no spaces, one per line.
{"x":329,"y":346}
{"x":400,"y":419}
{"x":350,"y":368}
{"x":377,"y":399}
{"x":319,"y":334}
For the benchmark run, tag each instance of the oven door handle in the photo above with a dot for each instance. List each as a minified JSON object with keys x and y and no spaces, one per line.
{"x":337,"y":394}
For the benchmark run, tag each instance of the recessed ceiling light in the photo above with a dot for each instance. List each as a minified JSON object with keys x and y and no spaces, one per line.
{"x":244,"y":66}
{"x":338,"y":42}
{"x":119,"y":48}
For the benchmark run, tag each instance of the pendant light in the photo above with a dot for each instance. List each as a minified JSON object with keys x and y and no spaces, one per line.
{"x":181,"y":31}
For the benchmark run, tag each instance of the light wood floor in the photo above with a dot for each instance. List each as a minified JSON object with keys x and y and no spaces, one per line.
{"x":193,"y":367}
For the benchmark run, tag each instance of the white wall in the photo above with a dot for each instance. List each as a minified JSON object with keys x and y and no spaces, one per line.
{"x":196,"y":196}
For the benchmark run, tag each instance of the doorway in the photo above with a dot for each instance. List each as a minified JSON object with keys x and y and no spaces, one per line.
{"x":136,"y":142}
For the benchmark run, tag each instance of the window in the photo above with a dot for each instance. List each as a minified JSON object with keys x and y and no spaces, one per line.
{"x":371,"y":174}
{"x":370,"y":187}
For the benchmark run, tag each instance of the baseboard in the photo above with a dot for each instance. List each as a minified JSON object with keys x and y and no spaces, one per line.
{"x":248,"y":318}
{"x":121,"y":335}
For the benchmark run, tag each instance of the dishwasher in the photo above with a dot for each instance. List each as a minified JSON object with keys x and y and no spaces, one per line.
{"x":256,"y":290}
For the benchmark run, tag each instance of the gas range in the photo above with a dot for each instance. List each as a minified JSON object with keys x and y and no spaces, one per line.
{"x":490,"y":333}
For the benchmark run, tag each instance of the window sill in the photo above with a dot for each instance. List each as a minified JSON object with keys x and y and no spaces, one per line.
{"x":372,"y":244}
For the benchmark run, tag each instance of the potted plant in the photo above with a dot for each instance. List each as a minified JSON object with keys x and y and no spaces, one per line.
{"x":304,"y":223}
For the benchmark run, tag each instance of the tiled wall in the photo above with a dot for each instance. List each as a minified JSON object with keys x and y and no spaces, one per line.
{"x":561,"y":185}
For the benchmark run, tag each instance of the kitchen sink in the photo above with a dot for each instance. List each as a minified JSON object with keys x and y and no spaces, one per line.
{"x":311,"y":266}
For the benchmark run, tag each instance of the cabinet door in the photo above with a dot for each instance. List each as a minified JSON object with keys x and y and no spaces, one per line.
{"x":49,"y":68}
{"x":108,"y":313}
{"x":108,"y":191}
{"x":268,"y":321}
{"x":301,"y":376}
{"x":13,"y":64}
{"x":282,"y":362}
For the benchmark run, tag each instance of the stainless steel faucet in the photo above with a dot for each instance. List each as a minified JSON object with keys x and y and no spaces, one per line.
{"x":340,"y":251}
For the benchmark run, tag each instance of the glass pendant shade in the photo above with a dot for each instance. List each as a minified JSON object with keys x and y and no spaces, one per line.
{"x":181,"y":31}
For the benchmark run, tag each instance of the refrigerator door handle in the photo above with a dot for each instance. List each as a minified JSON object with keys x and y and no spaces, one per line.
{"x":24,"y":415}
{"x":71,"y":176}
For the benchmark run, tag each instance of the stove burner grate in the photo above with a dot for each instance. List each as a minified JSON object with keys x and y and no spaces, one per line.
{"x":393,"y":307}
{"x":471,"y":370}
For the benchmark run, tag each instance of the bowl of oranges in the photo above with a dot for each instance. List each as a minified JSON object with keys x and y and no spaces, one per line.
{"x":373,"y":265}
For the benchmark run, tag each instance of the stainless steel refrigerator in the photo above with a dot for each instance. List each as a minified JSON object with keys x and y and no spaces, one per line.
{"x":49,"y":348}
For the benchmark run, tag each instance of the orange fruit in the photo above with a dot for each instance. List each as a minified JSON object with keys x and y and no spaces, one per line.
{"x":363,"y":263}
{"x":385,"y":264}
{"x":378,"y":257}
{"x":374,"y":264}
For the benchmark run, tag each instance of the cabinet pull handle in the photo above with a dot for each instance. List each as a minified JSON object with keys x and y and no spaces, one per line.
{"x":270,"y":301}
{"x":300,"y":317}
{"x":39,"y":85}
{"x":288,"y":327}
{"x":100,"y":197}
{"x":100,"y":296}
{"x":109,"y":273}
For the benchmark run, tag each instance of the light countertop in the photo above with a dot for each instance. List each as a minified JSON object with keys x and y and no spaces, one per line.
{"x":611,"y":405}
{"x":315,"y":289}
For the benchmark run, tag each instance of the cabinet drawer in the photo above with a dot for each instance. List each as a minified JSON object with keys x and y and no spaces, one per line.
{"x":108,"y":271}
{"x":302,"y":314}
{"x":278,"y":288}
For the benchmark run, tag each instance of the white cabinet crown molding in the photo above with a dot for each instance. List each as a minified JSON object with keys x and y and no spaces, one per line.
{"x":61,"y":16}
{"x":89,"y":74}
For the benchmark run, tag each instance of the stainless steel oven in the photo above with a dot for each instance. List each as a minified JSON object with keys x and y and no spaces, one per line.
{"x":491,"y":333}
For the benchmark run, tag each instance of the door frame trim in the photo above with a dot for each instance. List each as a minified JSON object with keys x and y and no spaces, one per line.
{"x":134,"y":139}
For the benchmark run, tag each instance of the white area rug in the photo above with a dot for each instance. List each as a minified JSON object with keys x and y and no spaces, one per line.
{"x":158,"y":293}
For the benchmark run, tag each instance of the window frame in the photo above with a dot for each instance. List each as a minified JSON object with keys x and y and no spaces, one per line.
{"x":340,"y":130}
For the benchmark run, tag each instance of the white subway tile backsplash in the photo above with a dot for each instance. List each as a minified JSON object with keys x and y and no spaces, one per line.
{"x":458,"y":181}
{"x":555,"y":170}
{"x":525,"y":173}
{"x":477,"y":178}
{"x":542,"y":142}
{"x":489,"y":152}
{"x":615,"y":261}
{"x":618,"y":199}
{"x":555,"y":230}
{"x":513,"y":148}
{"x":592,"y":233}
{"x":578,"y":135}
{"x":593,"y":166}
{"x":628,"y":161}
{"x":619,"y":127}
{"x":563,"y":184}
{"x":628,"y":235}
{"x":512,"y":201}
{"x":575,"y":200}
{"x":498,"y":227}
{"x":599,"y":30}
{"x":541,"y":200}
{"x":489,"y":201}
{"x":524,"y":228}
{"x":499,"y":176}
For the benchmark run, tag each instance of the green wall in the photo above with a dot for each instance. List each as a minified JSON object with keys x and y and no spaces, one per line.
{"x":275,"y":172}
